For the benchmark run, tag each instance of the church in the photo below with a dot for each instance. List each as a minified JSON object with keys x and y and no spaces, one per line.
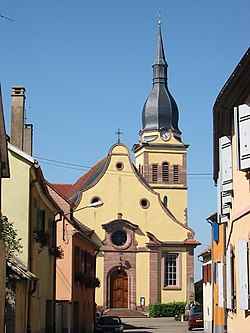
{"x":146,"y":248}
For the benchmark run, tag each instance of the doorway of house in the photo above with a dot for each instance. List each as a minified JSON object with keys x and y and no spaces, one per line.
{"x":119,"y":289}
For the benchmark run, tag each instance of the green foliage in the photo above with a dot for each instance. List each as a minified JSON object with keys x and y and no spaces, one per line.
{"x":41,"y":237}
{"x":166,"y":309}
{"x":87,"y":280}
{"x":57,"y":252}
{"x":9,"y":235}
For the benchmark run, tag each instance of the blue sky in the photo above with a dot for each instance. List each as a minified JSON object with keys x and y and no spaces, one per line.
{"x":86,"y":67}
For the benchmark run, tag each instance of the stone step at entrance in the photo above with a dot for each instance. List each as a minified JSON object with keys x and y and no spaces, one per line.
{"x":125,"y":313}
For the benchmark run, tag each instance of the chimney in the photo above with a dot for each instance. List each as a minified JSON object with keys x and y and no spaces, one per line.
{"x":17,"y":117}
{"x":28,"y":139}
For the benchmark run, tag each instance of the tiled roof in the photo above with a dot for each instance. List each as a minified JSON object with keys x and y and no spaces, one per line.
{"x":62,"y":188}
{"x":86,"y":180}
{"x":21,"y":270}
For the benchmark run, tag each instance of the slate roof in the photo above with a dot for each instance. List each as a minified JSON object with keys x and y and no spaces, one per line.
{"x":20,"y":269}
{"x":160,"y":109}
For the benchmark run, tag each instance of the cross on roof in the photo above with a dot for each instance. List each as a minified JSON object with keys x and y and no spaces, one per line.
{"x":159,"y":15}
{"x":118,"y":134}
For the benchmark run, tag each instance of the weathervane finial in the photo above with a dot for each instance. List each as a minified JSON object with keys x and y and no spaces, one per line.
{"x":159,"y":15}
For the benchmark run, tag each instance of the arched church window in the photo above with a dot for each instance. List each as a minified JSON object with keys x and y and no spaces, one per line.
{"x":154,"y":172}
{"x":165,"y":201}
{"x":176,"y":173}
{"x":165,"y":172}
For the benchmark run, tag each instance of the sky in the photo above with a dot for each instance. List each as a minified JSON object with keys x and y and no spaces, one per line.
{"x":87,"y":69}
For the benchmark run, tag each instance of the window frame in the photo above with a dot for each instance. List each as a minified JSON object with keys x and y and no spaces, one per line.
{"x":178,"y":284}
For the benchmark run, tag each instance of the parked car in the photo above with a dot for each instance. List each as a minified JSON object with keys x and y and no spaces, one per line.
{"x":195,"y":321}
{"x":109,"y":324}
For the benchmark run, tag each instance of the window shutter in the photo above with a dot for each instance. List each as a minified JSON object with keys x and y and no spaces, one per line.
{"x":226,"y":163}
{"x":229,"y":277}
{"x":209,"y":273}
{"x":243,"y":273}
{"x":242,"y":128}
{"x":219,"y":197}
{"x":215,"y":231}
{"x":220,"y":285}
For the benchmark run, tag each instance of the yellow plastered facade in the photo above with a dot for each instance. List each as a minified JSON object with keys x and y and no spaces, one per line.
{"x":121,"y":189}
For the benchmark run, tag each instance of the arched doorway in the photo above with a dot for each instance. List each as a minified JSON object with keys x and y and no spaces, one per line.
{"x":119,"y":289}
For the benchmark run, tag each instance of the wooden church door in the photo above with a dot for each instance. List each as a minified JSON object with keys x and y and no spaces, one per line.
{"x":119,"y":290}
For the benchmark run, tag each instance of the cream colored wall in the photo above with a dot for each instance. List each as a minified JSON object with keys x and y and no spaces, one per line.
{"x":177,"y":202}
{"x":99,"y":274}
{"x":142,"y":270}
{"x":15,"y":201}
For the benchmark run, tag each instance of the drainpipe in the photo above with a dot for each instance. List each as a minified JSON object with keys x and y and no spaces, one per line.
{"x":54,"y":278}
{"x":212,"y":270}
{"x":94,"y":307}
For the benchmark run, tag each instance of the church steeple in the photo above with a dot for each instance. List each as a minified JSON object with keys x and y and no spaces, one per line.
{"x":160,"y":109}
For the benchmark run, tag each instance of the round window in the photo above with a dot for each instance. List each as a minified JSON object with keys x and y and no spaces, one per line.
{"x":144,"y":203}
{"x":119,"y":237}
{"x":119,"y":165}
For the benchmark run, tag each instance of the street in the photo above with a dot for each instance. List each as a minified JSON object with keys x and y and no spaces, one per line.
{"x":153,"y":325}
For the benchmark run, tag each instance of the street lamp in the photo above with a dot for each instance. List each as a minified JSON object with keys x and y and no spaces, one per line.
{"x":93,"y":204}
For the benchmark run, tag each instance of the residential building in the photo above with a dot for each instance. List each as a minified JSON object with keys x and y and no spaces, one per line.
{"x":27,"y":203}
{"x":75,"y":274}
{"x":206,"y":256}
{"x":4,"y":173}
{"x":146,"y":246}
{"x":231,"y":124}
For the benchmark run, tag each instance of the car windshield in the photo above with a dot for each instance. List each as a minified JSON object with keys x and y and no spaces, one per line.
{"x":109,"y":321}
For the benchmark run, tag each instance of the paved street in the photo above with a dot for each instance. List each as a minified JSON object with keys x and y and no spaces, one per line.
{"x":155,"y":325}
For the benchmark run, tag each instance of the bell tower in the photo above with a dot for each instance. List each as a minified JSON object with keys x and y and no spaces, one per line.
{"x":160,"y":155}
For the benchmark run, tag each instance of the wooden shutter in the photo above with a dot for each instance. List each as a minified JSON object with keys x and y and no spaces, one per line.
{"x":220,"y":285}
{"x":229,"y":276}
{"x":242,"y":131}
{"x":209,"y":273}
{"x":226,"y":163}
{"x":243,"y":273}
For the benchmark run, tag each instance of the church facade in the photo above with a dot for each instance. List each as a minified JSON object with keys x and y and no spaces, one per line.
{"x":146,"y":248}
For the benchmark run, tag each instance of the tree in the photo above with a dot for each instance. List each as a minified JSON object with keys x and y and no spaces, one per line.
{"x":13,"y":247}
{"x":9,"y":235}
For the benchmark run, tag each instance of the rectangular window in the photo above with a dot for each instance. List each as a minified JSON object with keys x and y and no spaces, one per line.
{"x":83,"y":261}
{"x":176,"y":173}
{"x":52,"y":233}
{"x":76,"y":259}
{"x":165,"y":172}
{"x":243,"y":270}
{"x":242,"y":133}
{"x":154,"y":173}
{"x":170,"y":274}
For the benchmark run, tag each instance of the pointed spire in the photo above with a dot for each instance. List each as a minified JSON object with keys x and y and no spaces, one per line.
{"x":160,"y":56}
{"x":160,"y":109}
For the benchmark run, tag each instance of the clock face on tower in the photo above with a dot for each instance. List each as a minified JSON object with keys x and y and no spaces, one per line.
{"x":165,"y":135}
